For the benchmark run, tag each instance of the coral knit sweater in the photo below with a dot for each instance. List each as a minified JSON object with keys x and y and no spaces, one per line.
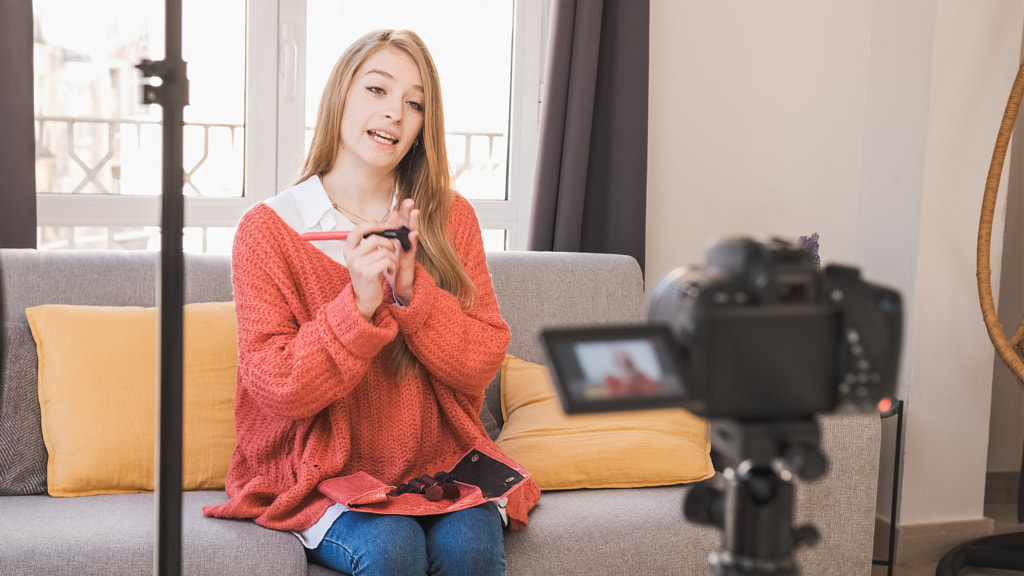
{"x":313,"y":401}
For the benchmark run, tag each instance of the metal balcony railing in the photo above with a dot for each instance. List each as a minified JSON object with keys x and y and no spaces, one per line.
{"x":77,"y":133}
{"x":93,"y":145}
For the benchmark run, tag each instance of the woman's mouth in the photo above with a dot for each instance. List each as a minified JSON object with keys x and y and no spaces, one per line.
{"x":382,"y":137}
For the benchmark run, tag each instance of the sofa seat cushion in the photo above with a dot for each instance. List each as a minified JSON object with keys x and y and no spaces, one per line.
{"x":611,"y":531}
{"x":643,"y":531}
{"x":114,"y":534}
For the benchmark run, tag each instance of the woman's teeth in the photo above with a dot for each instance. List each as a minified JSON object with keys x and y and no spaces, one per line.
{"x":382,"y":137}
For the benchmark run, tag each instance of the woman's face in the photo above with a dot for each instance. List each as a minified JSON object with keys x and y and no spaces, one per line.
{"x":383,"y":110}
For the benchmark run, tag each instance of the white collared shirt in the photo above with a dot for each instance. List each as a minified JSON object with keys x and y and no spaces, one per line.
{"x":307,"y":208}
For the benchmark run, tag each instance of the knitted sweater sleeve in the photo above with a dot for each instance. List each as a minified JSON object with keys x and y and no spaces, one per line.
{"x":461,"y":349}
{"x":296,"y":357}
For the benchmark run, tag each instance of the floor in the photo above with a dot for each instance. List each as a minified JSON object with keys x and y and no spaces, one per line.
{"x":1005,"y":516}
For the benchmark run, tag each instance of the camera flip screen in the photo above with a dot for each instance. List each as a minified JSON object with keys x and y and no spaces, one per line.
{"x":617,"y":368}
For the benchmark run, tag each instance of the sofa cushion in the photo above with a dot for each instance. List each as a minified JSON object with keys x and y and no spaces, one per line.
{"x":114,"y":534}
{"x":22,"y":451}
{"x":607,"y":450}
{"x":631,"y":531}
{"x":97,"y":382}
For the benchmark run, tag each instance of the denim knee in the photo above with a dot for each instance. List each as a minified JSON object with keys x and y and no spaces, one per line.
{"x":364,"y":544}
{"x":467,"y":543}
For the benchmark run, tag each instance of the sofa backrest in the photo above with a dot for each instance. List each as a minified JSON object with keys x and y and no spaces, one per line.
{"x":534,"y":289}
{"x":538,"y":290}
{"x":101,"y":278}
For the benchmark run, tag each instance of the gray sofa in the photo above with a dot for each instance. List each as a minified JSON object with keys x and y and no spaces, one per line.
{"x":584,"y":532}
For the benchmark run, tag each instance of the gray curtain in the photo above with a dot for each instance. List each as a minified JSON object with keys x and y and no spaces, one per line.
{"x":591,"y":187}
{"x":17,"y":130}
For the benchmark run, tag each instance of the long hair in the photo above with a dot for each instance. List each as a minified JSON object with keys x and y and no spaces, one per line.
{"x":423,"y":175}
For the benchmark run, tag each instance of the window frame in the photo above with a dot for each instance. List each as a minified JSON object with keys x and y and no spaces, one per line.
{"x":529,"y":40}
{"x":274,"y":149}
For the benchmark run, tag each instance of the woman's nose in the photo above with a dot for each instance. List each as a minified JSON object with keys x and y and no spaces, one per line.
{"x":393,"y":110}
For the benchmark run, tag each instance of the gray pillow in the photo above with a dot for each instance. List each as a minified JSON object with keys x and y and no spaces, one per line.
{"x":22,"y":452}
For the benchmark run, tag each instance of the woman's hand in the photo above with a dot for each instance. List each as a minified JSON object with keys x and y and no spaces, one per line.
{"x":401,"y":280}
{"x":369,"y":261}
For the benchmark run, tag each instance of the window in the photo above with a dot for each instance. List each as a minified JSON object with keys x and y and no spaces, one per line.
{"x":98,"y":149}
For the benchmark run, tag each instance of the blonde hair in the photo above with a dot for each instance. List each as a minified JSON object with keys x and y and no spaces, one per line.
{"x":423,"y":175}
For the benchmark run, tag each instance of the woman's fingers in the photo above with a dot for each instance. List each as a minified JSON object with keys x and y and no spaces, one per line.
{"x":368,"y":272}
{"x":370,"y":258}
{"x":414,"y":220}
{"x":362,"y":234}
{"x":403,"y":279}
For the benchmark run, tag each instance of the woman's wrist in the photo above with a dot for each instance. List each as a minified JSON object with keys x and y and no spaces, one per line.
{"x":366,"y":310}
{"x":403,"y":301}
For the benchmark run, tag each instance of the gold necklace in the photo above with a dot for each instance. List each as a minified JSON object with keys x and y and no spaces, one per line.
{"x":362,"y":219}
{"x":356,"y":218}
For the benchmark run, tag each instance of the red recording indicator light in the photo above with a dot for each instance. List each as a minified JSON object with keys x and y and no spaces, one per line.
{"x":884,"y":404}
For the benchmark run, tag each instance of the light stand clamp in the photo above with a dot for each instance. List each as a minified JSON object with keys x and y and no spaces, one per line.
{"x":173,"y":89}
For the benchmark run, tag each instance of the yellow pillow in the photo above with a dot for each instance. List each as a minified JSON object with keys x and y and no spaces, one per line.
{"x":607,"y":450}
{"x":97,"y":388}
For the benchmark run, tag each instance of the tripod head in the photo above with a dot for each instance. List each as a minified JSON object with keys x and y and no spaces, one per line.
{"x":754,"y":509}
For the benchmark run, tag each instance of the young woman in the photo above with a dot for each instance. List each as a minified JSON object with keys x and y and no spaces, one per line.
{"x":360,"y":356}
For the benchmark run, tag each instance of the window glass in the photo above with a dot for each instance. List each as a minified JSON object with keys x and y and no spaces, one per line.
{"x":471,"y":42}
{"x":93,"y":136}
{"x":94,"y":139}
{"x":495,"y":240}
{"x":97,"y":237}
{"x":209,"y":240}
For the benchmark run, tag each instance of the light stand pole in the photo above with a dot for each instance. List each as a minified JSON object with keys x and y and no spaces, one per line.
{"x":172,"y":96}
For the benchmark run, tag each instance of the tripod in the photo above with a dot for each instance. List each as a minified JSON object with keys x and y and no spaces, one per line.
{"x":755,"y":508}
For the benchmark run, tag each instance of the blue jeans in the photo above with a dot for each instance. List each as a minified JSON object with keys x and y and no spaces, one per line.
{"x":464,"y":543}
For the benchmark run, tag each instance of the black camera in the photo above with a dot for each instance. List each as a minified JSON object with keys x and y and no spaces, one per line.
{"x":759,"y":341}
{"x":758,"y":332}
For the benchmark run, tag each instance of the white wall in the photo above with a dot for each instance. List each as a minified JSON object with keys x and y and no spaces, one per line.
{"x":756,"y":123}
{"x":974,"y":62}
{"x":870,"y":123}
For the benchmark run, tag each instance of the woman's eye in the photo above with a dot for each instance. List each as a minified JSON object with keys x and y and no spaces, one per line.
{"x":416,"y":106}
{"x":375,"y":89}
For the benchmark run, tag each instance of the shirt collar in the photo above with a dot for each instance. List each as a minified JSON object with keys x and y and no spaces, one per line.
{"x":314,"y":205}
